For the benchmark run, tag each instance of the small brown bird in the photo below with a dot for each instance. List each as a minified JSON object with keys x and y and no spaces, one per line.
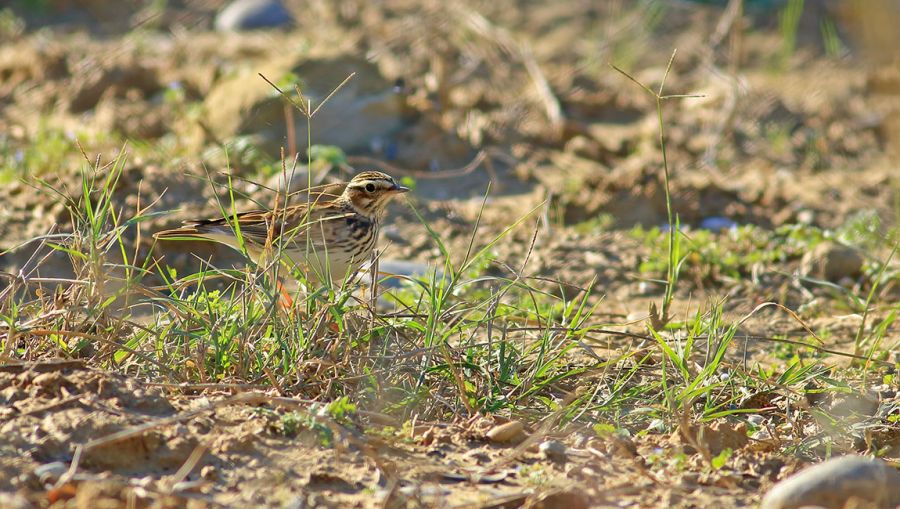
{"x":330,"y":236}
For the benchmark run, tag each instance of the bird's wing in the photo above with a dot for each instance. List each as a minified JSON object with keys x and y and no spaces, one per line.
{"x":315,"y":226}
{"x":253,"y":225}
{"x":319,"y":194}
{"x":294,"y":224}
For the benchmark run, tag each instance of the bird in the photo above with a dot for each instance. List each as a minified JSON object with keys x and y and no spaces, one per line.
{"x":330,"y":235}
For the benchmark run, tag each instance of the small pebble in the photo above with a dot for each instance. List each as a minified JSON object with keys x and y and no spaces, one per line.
{"x":209,"y":473}
{"x":833,"y":262}
{"x":553,"y":450}
{"x":806,"y":216}
{"x":506,"y":432}
{"x":756,"y":419}
{"x":252,"y":14}
{"x":761,"y":434}
{"x":832,"y":483}
{"x":717,"y":224}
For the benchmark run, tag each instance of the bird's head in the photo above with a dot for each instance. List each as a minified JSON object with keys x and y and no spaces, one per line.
{"x":370,"y":191}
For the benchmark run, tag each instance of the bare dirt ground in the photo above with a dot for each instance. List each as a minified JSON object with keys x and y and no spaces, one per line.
{"x":786,"y":140}
{"x":217,"y":450}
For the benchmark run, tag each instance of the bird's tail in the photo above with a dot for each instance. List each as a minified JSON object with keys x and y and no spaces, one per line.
{"x":192,"y":230}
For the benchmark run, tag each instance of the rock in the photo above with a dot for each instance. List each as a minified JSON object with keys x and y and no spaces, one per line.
{"x":756,"y":420}
{"x":761,"y":435}
{"x":252,"y":14}
{"x":553,"y":450}
{"x":832,"y":261}
{"x":834,"y":482}
{"x":507,"y":432}
{"x":366,"y":107}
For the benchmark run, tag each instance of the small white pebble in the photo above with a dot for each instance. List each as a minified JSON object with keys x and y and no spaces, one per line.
{"x":756,"y":419}
{"x":506,"y":432}
{"x":553,"y":450}
{"x":762,"y":434}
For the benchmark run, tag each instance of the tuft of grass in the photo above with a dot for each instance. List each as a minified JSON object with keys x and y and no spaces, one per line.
{"x":51,"y":149}
{"x":48,"y":150}
{"x":831,"y":40}
{"x":674,"y":259}
{"x":788,"y":25}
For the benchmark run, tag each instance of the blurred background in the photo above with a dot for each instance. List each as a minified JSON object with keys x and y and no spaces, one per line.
{"x":795,"y":119}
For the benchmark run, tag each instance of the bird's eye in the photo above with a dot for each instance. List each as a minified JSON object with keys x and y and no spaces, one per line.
{"x":370,"y":188}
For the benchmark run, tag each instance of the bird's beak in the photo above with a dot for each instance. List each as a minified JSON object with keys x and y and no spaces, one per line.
{"x":400,"y":189}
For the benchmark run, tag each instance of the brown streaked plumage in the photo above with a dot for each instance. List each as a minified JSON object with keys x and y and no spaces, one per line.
{"x":328,"y":235}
